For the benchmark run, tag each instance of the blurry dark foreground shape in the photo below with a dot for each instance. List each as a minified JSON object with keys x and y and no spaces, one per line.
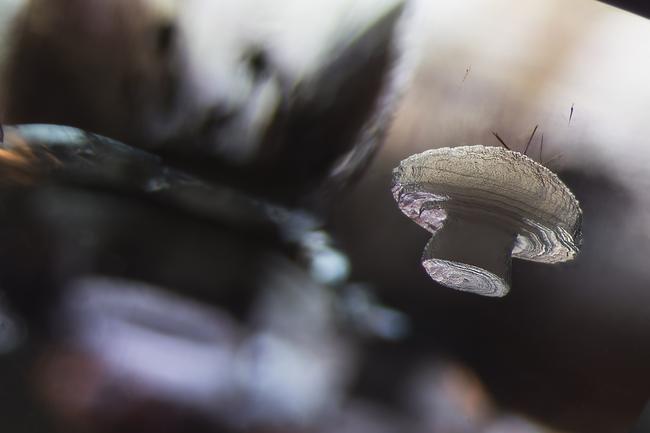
{"x":178,"y":283}
{"x":138,"y":287}
{"x":212,"y":89}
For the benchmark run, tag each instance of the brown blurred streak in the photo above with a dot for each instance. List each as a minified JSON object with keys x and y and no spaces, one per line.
{"x":85,"y":64}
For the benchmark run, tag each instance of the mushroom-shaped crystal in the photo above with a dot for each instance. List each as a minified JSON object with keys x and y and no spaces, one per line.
{"x":484,"y":205}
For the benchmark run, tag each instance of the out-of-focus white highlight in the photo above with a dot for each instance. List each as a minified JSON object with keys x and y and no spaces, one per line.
{"x":198,"y":356}
{"x":173,"y":346}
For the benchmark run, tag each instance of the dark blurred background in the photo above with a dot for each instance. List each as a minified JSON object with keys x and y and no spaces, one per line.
{"x":635,"y":6}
